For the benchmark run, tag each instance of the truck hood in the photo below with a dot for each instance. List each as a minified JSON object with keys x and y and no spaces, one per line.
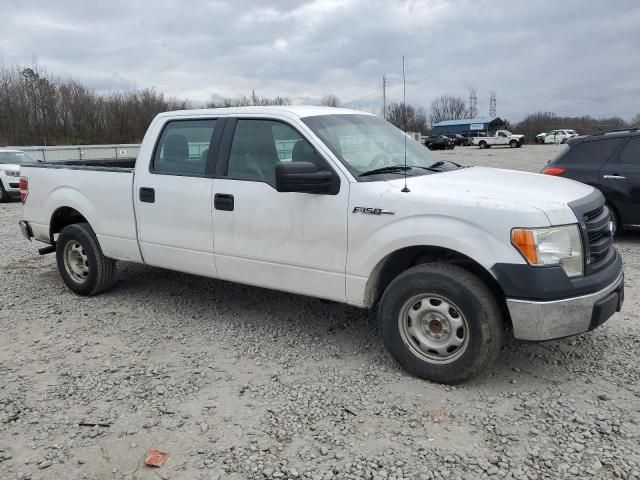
{"x":503,"y":189}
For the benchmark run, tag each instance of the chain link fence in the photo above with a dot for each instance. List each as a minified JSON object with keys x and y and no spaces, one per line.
{"x":81,"y":152}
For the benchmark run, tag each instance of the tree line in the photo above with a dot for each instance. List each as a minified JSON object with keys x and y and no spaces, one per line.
{"x":37,"y":108}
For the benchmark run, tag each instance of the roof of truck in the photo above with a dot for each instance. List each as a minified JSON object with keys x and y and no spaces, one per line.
{"x":296,"y":110}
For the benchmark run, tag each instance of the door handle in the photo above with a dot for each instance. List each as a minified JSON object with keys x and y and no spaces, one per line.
{"x":147,"y":195}
{"x":223,"y":201}
{"x":614,"y":177}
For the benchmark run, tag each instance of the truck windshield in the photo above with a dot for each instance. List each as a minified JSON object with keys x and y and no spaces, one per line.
{"x":364,"y":143}
{"x":15,"y":158}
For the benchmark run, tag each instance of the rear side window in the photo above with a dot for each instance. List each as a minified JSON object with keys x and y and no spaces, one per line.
{"x":630,"y":154}
{"x":183,"y":148}
{"x":592,"y":153}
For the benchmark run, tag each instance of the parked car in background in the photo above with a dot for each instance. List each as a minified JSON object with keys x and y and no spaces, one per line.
{"x":556,"y":136}
{"x":459,"y":140}
{"x":611,"y":163}
{"x":451,"y":256}
{"x":10,"y":161}
{"x":501,"y":137}
{"x":439,"y":142}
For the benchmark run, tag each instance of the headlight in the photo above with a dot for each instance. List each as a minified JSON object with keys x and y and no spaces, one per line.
{"x":551,"y":246}
{"x":12,"y":173}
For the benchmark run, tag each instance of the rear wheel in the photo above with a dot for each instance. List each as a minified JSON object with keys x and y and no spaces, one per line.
{"x":440,"y":323}
{"x":81,"y":263}
{"x":483,"y":144}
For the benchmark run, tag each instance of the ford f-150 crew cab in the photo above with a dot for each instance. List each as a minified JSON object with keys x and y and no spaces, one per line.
{"x":340,"y":205}
{"x":501,"y":137}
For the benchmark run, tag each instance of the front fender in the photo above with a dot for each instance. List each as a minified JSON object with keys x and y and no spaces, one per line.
{"x":367,"y":253}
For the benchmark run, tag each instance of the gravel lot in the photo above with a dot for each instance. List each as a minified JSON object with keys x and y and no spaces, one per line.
{"x":241,"y":382}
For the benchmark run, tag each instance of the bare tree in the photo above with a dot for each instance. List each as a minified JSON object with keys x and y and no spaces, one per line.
{"x":243,"y":101}
{"x":330,"y":101}
{"x":407,"y":117}
{"x":37,"y":108}
{"x":447,"y":107}
{"x":539,"y":122}
{"x":635,"y":121}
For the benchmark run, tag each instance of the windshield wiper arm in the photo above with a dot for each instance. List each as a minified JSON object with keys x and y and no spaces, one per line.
{"x":391,"y":169}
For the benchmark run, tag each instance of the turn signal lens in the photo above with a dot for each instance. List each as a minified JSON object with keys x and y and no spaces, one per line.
{"x":555,"y":171}
{"x":526,"y":243}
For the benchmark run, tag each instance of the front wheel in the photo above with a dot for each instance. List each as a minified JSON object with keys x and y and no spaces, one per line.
{"x":613,"y":218}
{"x":81,"y":263}
{"x":441,"y":323}
{"x":513,"y":144}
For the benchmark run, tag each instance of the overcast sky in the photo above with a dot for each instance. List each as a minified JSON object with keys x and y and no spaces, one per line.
{"x":566,"y":56}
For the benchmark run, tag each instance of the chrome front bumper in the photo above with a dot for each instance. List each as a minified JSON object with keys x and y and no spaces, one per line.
{"x":537,"y":321}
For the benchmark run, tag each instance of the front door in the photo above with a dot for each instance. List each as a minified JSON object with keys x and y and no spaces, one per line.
{"x":173,"y":202}
{"x":295,"y":242}
{"x":621,"y":182}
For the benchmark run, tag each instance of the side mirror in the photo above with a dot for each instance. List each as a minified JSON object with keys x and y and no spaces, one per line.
{"x":305,"y":177}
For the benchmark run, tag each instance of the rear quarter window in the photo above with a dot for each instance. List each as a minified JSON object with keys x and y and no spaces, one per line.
{"x":592,"y":153}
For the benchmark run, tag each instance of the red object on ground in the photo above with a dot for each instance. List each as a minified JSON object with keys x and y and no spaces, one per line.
{"x":156,"y":458}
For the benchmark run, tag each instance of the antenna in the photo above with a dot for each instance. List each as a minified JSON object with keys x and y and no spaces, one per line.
{"x":404,"y":125}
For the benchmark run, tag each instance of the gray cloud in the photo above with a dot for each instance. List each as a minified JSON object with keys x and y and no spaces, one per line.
{"x":570,"y":57}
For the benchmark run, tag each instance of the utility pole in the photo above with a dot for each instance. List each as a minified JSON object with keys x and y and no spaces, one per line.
{"x":492,"y":103}
{"x":384,"y":97}
{"x":473,"y":103}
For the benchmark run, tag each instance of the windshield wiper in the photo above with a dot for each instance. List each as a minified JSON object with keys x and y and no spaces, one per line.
{"x":440,"y":163}
{"x":391,"y":169}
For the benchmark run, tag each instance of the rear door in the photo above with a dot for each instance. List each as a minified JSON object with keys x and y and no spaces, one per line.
{"x":173,"y":199}
{"x":621,"y":182}
{"x":296,"y":242}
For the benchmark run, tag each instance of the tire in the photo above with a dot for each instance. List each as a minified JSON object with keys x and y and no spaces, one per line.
{"x":614,"y":219}
{"x":430,"y":147}
{"x":483,"y":144}
{"x":467,"y":297}
{"x":4,"y":196}
{"x":81,"y":263}
{"x":513,"y":144}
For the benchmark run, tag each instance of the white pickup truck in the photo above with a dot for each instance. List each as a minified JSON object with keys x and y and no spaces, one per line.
{"x":340,"y":205}
{"x":501,"y":137}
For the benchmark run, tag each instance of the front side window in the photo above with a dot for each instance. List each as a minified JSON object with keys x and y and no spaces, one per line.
{"x":365,"y":142}
{"x":183,"y":148}
{"x":259,"y":145}
{"x":630,"y":155}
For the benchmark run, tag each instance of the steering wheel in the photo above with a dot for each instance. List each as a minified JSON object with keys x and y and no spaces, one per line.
{"x":379,"y":159}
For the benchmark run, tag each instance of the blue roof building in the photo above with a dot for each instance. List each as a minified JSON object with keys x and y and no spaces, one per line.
{"x":468,"y":125}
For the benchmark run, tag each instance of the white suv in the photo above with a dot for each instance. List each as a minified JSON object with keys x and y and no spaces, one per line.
{"x":10,"y":161}
{"x":556,"y":136}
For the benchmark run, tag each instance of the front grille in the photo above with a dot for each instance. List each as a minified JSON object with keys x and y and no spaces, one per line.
{"x":598,"y":236}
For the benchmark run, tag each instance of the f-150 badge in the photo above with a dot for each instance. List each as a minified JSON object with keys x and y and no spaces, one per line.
{"x":372,"y":211}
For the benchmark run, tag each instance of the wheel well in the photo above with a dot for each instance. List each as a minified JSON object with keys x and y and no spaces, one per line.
{"x":400,"y":260}
{"x":62,"y":217}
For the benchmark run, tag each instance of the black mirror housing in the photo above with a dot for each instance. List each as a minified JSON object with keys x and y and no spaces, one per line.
{"x":305,"y":177}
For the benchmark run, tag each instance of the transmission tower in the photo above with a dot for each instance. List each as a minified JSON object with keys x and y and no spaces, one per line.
{"x":492,"y":103}
{"x":473,"y":103}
